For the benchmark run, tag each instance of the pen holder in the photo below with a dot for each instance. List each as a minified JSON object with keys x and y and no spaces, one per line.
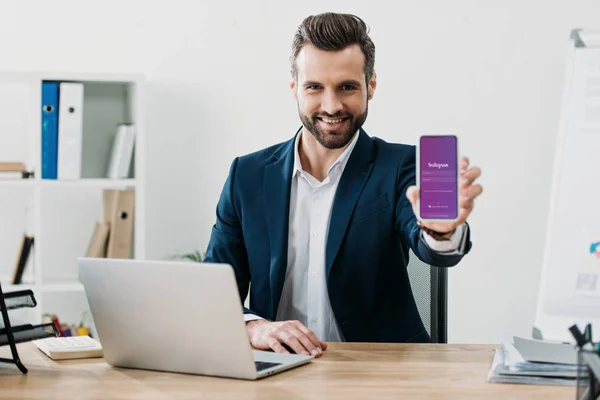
{"x":588,"y":364}
{"x":588,"y":375}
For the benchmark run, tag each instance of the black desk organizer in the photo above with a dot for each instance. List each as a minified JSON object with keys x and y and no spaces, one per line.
{"x":588,"y":364}
{"x":11,"y":335}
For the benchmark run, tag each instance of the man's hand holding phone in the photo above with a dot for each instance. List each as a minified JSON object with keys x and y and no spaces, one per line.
{"x":444,"y":195}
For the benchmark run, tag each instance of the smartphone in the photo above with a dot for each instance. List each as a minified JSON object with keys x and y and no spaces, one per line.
{"x":437,"y":178}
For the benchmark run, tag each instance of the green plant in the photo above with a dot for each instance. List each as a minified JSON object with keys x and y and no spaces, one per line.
{"x":195,"y":256}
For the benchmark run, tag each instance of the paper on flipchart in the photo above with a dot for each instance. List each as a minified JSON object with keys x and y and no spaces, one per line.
{"x":572,"y":271}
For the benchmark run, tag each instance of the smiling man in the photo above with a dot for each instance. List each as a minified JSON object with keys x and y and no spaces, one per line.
{"x":322,"y":224}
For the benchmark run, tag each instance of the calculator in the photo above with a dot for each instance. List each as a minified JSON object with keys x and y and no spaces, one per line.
{"x":69,"y":347}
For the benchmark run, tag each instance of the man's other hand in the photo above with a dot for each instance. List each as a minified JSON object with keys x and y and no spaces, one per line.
{"x":267,"y":335}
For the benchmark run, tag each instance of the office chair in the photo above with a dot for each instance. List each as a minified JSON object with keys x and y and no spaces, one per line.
{"x":430,"y":288}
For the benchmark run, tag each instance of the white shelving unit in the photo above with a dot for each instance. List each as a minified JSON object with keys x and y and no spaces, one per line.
{"x":61,"y":214}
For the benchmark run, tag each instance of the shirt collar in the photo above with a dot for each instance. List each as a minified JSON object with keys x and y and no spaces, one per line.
{"x":341,"y":161}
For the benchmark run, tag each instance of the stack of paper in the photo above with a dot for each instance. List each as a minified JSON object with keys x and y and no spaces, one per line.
{"x":534,"y":362}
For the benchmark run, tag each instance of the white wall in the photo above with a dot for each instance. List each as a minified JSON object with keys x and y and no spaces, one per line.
{"x":491,"y":71}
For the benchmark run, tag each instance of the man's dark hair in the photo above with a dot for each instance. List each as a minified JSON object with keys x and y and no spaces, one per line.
{"x":332,"y":31}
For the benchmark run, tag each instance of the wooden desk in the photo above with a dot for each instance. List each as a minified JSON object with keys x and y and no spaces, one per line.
{"x":345,"y":371}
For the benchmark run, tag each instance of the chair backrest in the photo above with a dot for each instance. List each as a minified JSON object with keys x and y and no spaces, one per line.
{"x":430,"y":289}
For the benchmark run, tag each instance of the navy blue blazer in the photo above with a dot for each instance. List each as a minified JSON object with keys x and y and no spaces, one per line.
{"x":371,"y":229}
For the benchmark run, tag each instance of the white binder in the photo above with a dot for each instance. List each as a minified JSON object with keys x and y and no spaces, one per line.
{"x":70,"y":130}
{"x":122,"y":151}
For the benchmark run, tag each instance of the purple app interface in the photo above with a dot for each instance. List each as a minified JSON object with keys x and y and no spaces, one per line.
{"x":438,"y":180}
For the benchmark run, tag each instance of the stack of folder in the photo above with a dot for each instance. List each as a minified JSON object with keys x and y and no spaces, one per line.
{"x":113,"y":235}
{"x":14,"y":170}
{"x":62,"y":135}
{"x":537,"y":362}
{"x":62,"y":129}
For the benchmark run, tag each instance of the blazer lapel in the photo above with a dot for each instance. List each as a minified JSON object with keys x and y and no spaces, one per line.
{"x":276,"y":202}
{"x":354,"y":178}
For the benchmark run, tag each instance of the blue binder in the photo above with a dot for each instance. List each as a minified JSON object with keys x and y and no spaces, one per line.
{"x":49,"y":130}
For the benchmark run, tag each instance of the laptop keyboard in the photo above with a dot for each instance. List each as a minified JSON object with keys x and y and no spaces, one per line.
{"x":260,"y":365}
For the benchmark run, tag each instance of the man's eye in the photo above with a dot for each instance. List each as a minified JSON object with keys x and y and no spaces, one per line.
{"x":348,"y":87}
{"x":313,"y":87}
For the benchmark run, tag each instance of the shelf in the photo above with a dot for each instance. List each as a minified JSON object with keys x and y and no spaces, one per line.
{"x":22,"y":183}
{"x":8,"y":287}
{"x":89,"y":183}
{"x":83,"y":183}
{"x":62,"y":214}
{"x":91,"y":77}
{"x":6,"y":280}
{"x":56,"y":286}
{"x":63,"y":287}
{"x":71,"y":76}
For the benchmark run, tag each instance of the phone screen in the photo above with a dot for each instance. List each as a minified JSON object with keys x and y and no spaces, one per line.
{"x":438,"y":180}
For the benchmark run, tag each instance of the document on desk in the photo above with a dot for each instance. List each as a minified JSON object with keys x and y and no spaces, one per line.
{"x":570,"y":288}
{"x":545,"y":352}
{"x":515,"y":361}
{"x":534,"y":362}
{"x":500,"y":373}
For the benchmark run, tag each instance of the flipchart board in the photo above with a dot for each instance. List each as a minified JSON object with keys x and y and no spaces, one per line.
{"x":570,"y":283}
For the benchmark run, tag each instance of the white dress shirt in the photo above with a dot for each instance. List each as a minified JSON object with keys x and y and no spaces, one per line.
{"x":304,"y":296}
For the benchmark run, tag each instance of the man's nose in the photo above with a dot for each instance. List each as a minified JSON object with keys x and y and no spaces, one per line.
{"x":331,"y":104}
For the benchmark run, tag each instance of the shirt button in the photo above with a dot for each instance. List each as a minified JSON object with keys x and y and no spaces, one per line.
{"x":314,"y":274}
{"x":316,"y":232}
{"x":314,"y":319}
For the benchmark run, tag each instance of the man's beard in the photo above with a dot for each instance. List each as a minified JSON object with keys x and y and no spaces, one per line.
{"x":334,"y":139}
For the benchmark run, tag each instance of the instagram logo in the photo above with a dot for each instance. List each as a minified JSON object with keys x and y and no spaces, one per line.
{"x":595,"y":249}
{"x":437,"y":165}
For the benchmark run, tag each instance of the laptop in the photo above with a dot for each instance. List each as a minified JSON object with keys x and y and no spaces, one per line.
{"x":174,"y":316}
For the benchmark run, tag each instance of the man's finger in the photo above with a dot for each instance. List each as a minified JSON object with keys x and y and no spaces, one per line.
{"x":276,"y":346}
{"x":323,"y":344}
{"x":464,"y":163}
{"x":306,"y":342}
{"x":292,"y":342}
{"x":462,"y":215}
{"x":473,"y":191}
{"x":310,"y":334}
{"x":467,"y":204}
{"x":469,"y":176}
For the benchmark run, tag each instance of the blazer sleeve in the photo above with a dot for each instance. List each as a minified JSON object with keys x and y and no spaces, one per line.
{"x":226,"y":244}
{"x":406,"y":221}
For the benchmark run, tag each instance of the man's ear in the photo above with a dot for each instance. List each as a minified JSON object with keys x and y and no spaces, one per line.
{"x":372,"y":85}
{"x":294,"y":87}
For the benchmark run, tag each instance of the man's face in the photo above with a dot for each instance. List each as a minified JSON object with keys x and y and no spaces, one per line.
{"x":332,"y":94}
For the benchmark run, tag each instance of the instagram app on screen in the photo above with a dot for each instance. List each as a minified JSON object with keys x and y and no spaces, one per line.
{"x":438,"y":177}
